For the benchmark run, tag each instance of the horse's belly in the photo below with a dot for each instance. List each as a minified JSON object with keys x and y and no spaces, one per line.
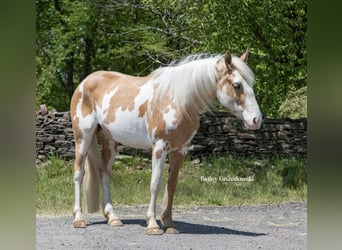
{"x":129,"y":129}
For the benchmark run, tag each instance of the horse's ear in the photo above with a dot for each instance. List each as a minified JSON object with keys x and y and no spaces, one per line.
{"x":228,"y":59}
{"x":245,"y":55}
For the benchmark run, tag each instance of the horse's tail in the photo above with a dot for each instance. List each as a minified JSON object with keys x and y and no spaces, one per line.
{"x":91,"y":178}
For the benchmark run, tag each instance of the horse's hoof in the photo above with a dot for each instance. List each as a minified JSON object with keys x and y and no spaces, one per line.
{"x":115,"y":223}
{"x":79,"y":224}
{"x":154,"y":231}
{"x":171,"y":230}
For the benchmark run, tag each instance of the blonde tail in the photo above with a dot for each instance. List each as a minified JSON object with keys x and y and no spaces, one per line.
{"x":91,"y":179}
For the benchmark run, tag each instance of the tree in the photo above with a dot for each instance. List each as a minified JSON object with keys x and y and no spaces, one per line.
{"x":295,"y":104}
{"x":135,"y":37}
{"x":65,"y":32}
{"x":275,"y":31}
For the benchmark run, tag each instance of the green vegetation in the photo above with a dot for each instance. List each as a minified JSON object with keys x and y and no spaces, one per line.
{"x":295,"y":104}
{"x":54,"y":187}
{"x":75,"y":38}
{"x":261,"y":181}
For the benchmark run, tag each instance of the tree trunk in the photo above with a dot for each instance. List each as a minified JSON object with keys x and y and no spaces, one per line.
{"x":70,"y":74}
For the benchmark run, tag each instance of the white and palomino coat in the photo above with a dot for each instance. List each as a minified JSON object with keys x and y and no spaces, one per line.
{"x":158,"y":111}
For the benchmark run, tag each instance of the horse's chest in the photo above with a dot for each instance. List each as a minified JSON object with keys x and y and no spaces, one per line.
{"x":168,"y":125}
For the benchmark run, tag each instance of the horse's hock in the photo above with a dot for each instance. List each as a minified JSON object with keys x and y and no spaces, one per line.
{"x":220,"y":133}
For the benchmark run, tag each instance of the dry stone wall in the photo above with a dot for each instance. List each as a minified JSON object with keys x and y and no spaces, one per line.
{"x":54,"y":136}
{"x":220,"y":134}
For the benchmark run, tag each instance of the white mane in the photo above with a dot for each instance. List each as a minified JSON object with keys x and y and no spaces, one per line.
{"x":192,"y":81}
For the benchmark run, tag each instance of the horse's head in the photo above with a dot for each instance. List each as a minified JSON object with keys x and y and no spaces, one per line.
{"x":235,"y":91}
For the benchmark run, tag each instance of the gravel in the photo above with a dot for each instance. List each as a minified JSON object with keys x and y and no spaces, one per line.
{"x":281,"y":226}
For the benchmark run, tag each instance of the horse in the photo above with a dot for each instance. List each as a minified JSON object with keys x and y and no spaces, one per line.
{"x":158,"y":111}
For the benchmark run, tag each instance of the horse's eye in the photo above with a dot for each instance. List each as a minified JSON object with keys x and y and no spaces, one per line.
{"x":236,"y":85}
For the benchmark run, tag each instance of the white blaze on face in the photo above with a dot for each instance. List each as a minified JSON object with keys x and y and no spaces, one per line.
{"x":251,"y":113}
{"x":250,"y":109}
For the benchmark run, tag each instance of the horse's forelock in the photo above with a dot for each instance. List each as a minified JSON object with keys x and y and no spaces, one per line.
{"x":244,"y":70}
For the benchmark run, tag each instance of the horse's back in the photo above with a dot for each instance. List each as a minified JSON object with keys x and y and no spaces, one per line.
{"x":119,"y":104}
{"x":94,"y":89}
{"x":99,"y":83}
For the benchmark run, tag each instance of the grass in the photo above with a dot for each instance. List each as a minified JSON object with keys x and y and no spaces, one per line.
{"x":231,"y":180}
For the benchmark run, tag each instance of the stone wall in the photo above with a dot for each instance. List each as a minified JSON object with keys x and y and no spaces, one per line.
{"x":219,"y":134}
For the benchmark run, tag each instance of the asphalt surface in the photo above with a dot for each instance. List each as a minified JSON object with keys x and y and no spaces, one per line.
{"x":281,"y":226}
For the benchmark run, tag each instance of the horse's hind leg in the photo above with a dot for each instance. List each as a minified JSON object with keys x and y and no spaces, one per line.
{"x":82,"y":141}
{"x":108,"y":156}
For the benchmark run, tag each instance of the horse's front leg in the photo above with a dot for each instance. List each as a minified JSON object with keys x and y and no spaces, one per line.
{"x":158,"y":158}
{"x":176,"y":160}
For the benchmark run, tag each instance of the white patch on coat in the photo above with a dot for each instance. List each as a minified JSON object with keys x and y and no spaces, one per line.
{"x":128,"y":128}
{"x":86,"y":123}
{"x":169,"y":118}
{"x":103,"y":109}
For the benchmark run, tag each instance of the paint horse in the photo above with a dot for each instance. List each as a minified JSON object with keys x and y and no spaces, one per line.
{"x":158,"y":111}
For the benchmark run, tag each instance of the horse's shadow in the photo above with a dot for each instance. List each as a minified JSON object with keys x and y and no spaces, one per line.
{"x":190,"y":228}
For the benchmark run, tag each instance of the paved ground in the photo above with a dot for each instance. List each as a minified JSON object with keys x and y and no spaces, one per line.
{"x":247,"y":227}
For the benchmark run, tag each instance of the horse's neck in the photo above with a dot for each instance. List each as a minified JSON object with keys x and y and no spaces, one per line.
{"x":193,"y":84}
{"x":203,"y":89}
{"x":200,"y":101}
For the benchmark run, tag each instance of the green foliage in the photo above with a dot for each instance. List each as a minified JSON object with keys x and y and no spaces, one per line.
{"x":294,"y":175}
{"x":271,"y":180}
{"x":54,"y":186}
{"x":295,"y":104}
{"x":75,"y":38}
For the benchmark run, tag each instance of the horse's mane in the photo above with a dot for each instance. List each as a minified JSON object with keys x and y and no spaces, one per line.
{"x":192,"y":80}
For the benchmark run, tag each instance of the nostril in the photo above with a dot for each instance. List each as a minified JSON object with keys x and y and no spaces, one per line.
{"x":255,"y":120}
